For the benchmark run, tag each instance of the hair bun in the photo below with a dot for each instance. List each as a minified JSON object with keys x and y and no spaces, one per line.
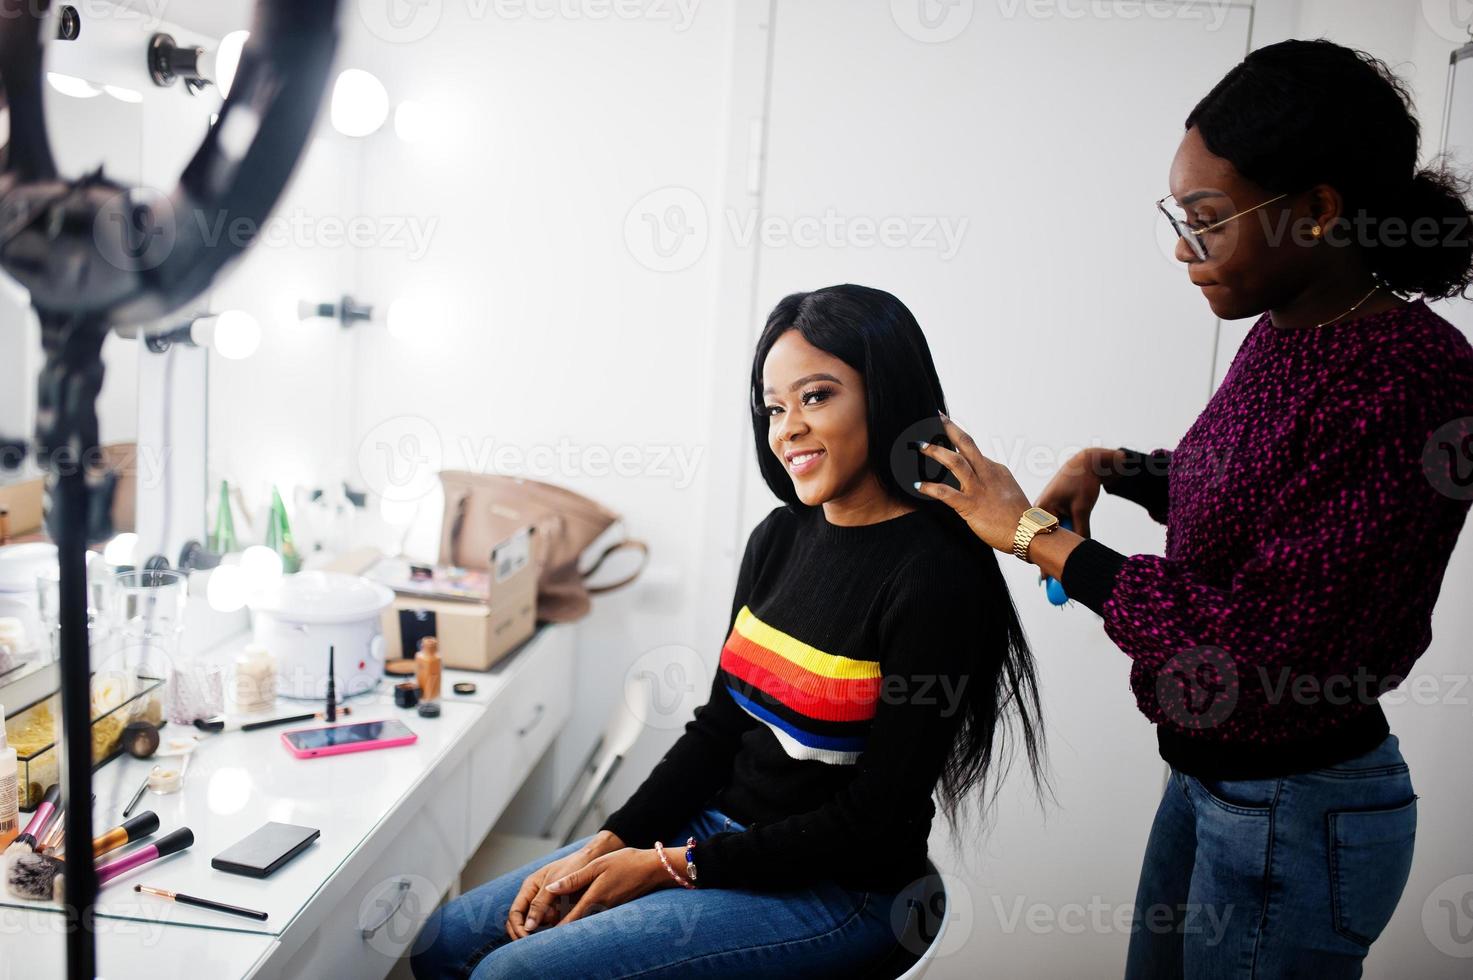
{"x":1431,"y":254}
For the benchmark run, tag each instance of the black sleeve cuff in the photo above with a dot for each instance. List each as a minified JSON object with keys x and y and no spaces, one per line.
{"x":1090,"y":573}
{"x":1141,"y":479}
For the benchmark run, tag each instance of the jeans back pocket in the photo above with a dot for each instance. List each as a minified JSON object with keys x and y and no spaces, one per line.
{"x":1370,"y":860}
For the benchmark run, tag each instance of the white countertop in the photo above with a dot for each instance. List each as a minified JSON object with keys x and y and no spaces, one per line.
{"x":236,"y":781}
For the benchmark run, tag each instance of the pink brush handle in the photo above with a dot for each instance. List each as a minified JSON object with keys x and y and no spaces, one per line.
{"x":107,"y":872}
{"x":177,"y":841}
{"x":38,"y":819}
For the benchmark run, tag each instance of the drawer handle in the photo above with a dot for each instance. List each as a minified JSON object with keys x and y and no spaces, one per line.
{"x":402,"y":888}
{"x":536,"y":717}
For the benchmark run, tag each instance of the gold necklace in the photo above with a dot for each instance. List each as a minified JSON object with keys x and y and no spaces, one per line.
{"x":1374,"y":290}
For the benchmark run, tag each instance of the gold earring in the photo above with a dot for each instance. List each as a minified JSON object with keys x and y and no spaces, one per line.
{"x":1318,"y":231}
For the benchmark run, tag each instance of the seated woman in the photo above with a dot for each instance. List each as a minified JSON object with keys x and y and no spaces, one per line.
{"x":874,"y":652}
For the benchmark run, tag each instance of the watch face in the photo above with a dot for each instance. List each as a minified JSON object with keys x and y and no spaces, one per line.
{"x":1040,"y":516}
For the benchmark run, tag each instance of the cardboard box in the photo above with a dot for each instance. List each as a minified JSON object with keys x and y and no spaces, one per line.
{"x":473,"y":635}
{"x":24,"y":500}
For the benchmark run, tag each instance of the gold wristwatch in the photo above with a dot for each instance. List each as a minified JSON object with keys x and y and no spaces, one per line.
{"x":1033,"y":523}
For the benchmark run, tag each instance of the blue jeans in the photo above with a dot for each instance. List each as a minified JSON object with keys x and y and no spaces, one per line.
{"x":1274,"y":877}
{"x":820,"y":930}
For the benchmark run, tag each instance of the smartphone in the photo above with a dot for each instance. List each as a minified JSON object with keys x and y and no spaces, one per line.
{"x":361,"y":736}
{"x":265,"y":850}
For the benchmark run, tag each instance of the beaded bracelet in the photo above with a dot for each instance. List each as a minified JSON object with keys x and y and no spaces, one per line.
{"x":690,"y":857}
{"x":660,"y":851}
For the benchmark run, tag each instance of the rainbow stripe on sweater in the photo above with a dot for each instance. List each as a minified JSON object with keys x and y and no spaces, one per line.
{"x":818,"y":705}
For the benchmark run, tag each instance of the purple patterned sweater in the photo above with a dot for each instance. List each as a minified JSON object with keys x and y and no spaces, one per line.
{"x":1311,"y":511}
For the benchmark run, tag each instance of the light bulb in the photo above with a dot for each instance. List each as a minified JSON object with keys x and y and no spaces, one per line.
{"x":227,"y":59}
{"x":227,"y":589}
{"x":77,"y":88}
{"x":237,"y":335}
{"x":360,"y":103}
{"x":412,"y":314}
{"x":120,"y":551}
{"x":123,"y":94}
{"x":414,"y":121}
{"x":261,"y":568}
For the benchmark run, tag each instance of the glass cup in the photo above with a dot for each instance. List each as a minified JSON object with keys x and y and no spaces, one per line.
{"x":149,"y":620}
{"x":99,"y":608}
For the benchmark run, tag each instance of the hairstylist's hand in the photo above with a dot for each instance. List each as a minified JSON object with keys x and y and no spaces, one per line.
{"x":615,"y":879}
{"x":990,"y":500}
{"x":1075,"y":489}
{"x":534,"y":905}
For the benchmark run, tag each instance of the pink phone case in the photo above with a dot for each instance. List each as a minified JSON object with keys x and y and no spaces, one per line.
{"x":378,"y":743}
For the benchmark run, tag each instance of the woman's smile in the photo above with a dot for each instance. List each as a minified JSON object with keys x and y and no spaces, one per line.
{"x":803,"y":461}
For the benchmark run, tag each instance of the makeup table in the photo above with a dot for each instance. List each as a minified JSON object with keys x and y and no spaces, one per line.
{"x":398,"y":825}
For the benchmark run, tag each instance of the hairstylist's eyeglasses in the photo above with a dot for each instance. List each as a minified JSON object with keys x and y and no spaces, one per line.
{"x":1193,"y":236}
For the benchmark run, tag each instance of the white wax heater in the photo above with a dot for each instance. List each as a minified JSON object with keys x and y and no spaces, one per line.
{"x":305,"y":614}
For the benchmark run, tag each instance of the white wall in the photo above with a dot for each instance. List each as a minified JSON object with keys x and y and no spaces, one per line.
{"x":541,"y":333}
{"x":580,"y":283}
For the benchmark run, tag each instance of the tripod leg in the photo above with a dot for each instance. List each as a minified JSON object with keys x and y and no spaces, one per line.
{"x":67,"y":444}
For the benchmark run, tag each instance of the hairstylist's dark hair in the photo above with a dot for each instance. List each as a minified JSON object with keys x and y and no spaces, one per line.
{"x":874,"y":333}
{"x":1301,"y":113}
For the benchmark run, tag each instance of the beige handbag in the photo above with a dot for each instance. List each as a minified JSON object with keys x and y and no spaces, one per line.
{"x":482,"y":510}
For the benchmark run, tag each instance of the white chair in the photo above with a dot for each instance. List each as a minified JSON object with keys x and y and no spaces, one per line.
{"x":920,"y":938}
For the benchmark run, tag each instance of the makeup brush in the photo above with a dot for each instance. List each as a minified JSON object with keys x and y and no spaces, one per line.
{"x":217,"y":725}
{"x":36,"y":827}
{"x":54,"y":837}
{"x":135,"y":829}
{"x":203,"y":903}
{"x":34,"y":877}
{"x":40,"y":877}
{"x":180,"y":840}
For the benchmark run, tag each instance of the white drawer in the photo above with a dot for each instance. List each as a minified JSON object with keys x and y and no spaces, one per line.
{"x":372,"y":925}
{"x":527,"y":716}
{"x":541,"y":706}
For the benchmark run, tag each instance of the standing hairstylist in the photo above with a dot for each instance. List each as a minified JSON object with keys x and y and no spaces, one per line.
{"x":1310,"y":511}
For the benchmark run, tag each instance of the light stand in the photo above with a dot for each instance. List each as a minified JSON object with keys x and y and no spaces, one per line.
{"x":94,"y":255}
{"x":67,"y":436}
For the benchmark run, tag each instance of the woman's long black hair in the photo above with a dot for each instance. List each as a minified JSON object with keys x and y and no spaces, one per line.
{"x":876,"y":335}
{"x":1301,"y":113}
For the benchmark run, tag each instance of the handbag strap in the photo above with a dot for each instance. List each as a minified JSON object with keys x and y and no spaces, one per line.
{"x":630,"y":544}
{"x":457,"y":527}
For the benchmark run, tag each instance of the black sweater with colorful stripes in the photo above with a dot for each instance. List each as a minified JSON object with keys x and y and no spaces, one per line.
{"x":838,"y":696}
